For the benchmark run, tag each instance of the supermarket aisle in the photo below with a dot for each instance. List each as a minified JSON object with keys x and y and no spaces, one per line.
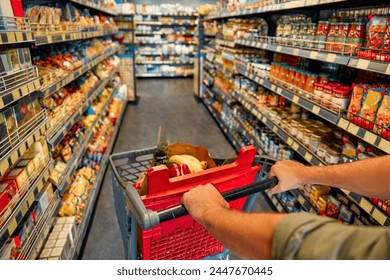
{"x":167,"y":102}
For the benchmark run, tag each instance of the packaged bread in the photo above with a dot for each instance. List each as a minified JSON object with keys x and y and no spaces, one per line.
{"x":382,"y":122}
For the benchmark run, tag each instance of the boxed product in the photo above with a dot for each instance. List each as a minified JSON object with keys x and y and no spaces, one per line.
{"x":29,"y":165}
{"x":11,"y":190}
{"x":4,"y":140}
{"x":10,"y":120}
{"x":5,"y":211}
{"x":8,"y":251}
{"x":41,"y":147}
{"x":20,"y":177}
{"x":6,"y":20}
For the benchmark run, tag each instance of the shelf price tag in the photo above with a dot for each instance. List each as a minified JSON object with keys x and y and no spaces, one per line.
{"x":308,"y":157}
{"x":290,"y":141}
{"x":12,"y":226}
{"x":343,"y":123}
{"x":311,"y":2}
{"x":313,"y":55}
{"x":295,"y":52}
{"x":353,"y":128}
{"x":275,"y":129}
{"x":379,"y":216}
{"x":11,"y":37}
{"x":263,"y":119}
{"x":366,"y":205}
{"x":19,"y":37}
{"x":295,"y":146}
{"x":295,"y":99}
{"x":278,"y":49}
{"x":369,"y":137}
{"x":387,"y":72}
{"x":331,"y":57}
{"x":384,"y":145}
{"x":279,"y":91}
{"x":363,"y":64}
{"x":315,"y":109}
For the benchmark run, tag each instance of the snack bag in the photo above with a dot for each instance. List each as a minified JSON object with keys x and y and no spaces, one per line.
{"x":370,"y":104}
{"x":356,"y":99}
{"x":382,"y":122}
{"x":376,"y":30}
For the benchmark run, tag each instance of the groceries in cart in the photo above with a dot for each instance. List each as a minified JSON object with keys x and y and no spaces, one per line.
{"x":180,"y":158}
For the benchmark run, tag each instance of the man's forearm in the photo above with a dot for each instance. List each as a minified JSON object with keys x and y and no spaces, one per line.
{"x":368,"y":177}
{"x":247,"y":234}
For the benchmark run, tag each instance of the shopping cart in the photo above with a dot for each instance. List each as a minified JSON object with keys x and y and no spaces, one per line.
{"x":156,"y":226}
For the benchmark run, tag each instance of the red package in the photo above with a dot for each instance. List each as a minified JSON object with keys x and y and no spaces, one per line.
{"x":17,"y":8}
{"x":178,"y":170}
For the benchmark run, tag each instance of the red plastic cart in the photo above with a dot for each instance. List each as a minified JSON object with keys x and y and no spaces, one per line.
{"x":156,"y":226}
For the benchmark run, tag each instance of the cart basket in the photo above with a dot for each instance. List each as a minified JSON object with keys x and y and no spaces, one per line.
{"x":155,"y":226}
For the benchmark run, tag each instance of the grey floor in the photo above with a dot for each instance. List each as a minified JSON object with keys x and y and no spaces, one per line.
{"x":170,"y":103}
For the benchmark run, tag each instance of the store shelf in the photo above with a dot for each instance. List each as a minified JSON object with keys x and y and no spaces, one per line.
{"x":162,"y":42}
{"x":370,"y":65}
{"x":162,"y":33}
{"x":44,"y":39}
{"x":165,"y":63}
{"x":97,"y":185}
{"x":162,"y":75}
{"x":94,"y":6}
{"x":297,"y":146}
{"x":32,"y":252}
{"x":40,"y":126}
{"x":75,"y":74}
{"x":305,"y":203}
{"x":298,"y":4}
{"x":225,"y":43}
{"x":24,"y":204}
{"x":63,"y":129}
{"x":20,"y":90}
{"x":16,"y":37}
{"x":163,"y":23}
{"x":369,"y":208}
{"x":305,"y":53}
{"x":330,"y":116}
{"x":275,"y":201}
{"x":169,"y":14}
{"x":78,"y":156}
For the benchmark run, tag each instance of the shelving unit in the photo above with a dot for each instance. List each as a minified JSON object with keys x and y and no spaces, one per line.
{"x":48,"y":90}
{"x":82,"y":230}
{"x":44,"y":39}
{"x":39,"y":127}
{"x":161,"y":43}
{"x":272,"y":45}
{"x":127,"y":52}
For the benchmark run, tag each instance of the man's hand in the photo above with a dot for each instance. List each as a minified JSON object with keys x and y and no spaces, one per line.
{"x":291,"y":175}
{"x":203,"y":200}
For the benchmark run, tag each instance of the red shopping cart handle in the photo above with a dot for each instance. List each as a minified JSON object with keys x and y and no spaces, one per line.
{"x":180,"y":210}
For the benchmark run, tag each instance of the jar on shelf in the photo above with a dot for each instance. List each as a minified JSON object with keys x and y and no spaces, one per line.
{"x":355,"y":37}
{"x":322,"y":150}
{"x":295,"y":81}
{"x":322,"y":33}
{"x":326,"y":134}
{"x":341,"y":36}
{"x":294,"y":128}
{"x":294,"y":34}
{"x":310,"y":36}
{"x":315,"y":140}
{"x":300,"y":131}
{"x":332,"y":35}
{"x":328,"y":94}
{"x":306,"y":137}
{"x":318,"y":92}
{"x":309,"y":85}
{"x":302,"y":81}
{"x":333,"y":156}
{"x":323,"y":78}
{"x":340,"y":98}
{"x":291,"y":77}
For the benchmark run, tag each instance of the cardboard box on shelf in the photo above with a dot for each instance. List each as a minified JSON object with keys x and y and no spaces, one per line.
{"x":20,"y":176}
